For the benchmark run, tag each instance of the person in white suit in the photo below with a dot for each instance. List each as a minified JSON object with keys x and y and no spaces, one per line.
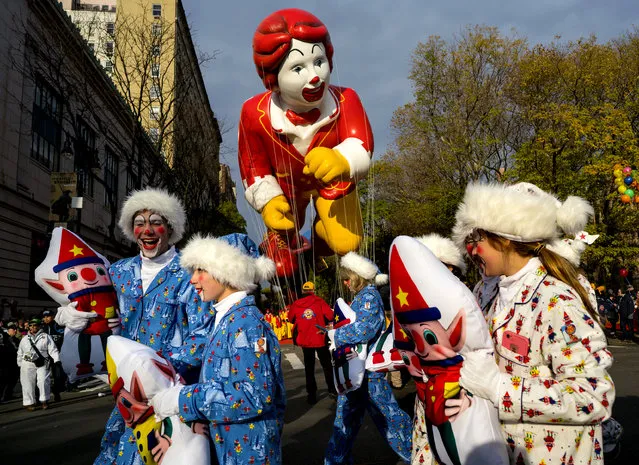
{"x":34,"y":354}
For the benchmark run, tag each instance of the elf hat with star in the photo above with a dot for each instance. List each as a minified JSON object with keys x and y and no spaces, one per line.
{"x":66,"y":250}
{"x":424,"y":290}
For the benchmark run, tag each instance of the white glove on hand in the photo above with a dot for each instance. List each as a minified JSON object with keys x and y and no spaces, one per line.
{"x":166,"y":403}
{"x":73,"y":319}
{"x":480,"y":375}
{"x":114,"y":324}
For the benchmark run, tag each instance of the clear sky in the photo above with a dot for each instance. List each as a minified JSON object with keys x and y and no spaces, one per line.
{"x":373,"y":41}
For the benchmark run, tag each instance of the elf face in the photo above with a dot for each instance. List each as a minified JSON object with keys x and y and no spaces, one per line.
{"x":81,"y":277}
{"x":304,"y":76}
{"x":151,"y":233}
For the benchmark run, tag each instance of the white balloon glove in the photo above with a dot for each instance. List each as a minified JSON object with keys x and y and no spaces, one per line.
{"x":166,"y":403}
{"x":331,"y":339}
{"x":480,"y":375}
{"x":73,"y":319}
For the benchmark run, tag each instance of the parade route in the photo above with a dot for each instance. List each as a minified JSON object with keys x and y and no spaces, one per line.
{"x":69,"y":432}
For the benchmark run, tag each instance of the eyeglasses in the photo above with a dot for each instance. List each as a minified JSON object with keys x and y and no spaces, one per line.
{"x":473,"y":238}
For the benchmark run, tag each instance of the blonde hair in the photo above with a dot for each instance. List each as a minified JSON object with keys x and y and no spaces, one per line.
{"x":357,"y":282}
{"x":556,"y":265}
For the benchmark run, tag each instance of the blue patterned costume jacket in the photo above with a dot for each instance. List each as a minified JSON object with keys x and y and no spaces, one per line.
{"x":170,"y":318}
{"x":375,"y":394}
{"x":241,"y":390}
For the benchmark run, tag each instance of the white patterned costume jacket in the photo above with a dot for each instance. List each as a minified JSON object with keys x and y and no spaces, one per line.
{"x":559,"y":391}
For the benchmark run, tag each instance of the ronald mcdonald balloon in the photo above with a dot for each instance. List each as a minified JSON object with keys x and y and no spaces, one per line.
{"x":302,"y":140}
{"x":437,"y":321}
{"x":136,"y":374}
{"x":74,"y":273}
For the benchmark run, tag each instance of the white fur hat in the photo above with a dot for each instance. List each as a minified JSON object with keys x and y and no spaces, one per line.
{"x":158,"y":201}
{"x":233,"y":259}
{"x":363,"y":267}
{"x":445,"y":250}
{"x":522,"y":213}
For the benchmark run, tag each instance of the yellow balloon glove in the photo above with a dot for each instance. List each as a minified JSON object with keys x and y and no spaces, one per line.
{"x":326,"y":164}
{"x":277,"y":214}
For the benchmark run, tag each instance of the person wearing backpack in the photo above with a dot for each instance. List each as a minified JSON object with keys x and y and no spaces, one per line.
{"x":34,"y":352}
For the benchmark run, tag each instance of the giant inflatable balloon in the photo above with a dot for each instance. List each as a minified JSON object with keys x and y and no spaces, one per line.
{"x":438,"y":320}
{"x":136,"y":374}
{"x":302,"y":140}
{"x":74,"y":272}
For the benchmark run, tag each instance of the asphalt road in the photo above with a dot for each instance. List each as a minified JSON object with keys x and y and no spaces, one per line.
{"x":69,"y":433}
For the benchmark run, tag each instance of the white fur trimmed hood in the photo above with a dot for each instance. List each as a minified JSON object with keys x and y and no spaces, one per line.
{"x":229,"y":264}
{"x":363,"y":267}
{"x":445,"y":250}
{"x":158,"y":201}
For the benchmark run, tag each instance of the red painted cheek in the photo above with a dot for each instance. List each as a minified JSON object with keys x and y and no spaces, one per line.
{"x":480,"y":250}
{"x":160,"y":229}
{"x":469,"y":249}
{"x":137,"y":231}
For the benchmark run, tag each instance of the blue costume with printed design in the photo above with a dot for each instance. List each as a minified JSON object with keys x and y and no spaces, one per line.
{"x":241,"y":389}
{"x":171,"y":319}
{"x":374,"y":395}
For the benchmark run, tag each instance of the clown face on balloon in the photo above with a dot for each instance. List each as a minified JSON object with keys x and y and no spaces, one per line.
{"x":303,"y":140}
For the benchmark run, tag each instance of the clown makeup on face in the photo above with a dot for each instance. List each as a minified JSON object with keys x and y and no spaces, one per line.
{"x":152,"y":233}
{"x":208,"y":288}
{"x":304,"y":76}
{"x":490,"y":260}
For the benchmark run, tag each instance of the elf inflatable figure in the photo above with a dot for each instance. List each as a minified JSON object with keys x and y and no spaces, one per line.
{"x":348,"y":361}
{"x":436,"y":319}
{"x":136,"y":374}
{"x":73,"y":272}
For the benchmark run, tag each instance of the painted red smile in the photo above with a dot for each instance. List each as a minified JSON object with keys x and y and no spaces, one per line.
{"x":315,"y":94}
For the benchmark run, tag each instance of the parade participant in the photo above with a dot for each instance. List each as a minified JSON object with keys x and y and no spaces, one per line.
{"x":307,"y":314}
{"x":157,"y":304}
{"x":34,"y":352}
{"x":302,"y":139}
{"x":9,"y":369}
{"x":56,"y":332}
{"x":549,"y":383}
{"x":375,"y":394}
{"x":241,"y":387}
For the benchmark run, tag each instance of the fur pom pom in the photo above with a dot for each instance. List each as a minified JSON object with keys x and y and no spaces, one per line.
{"x":573,"y":215}
{"x":381,"y":279}
{"x":264,"y":269}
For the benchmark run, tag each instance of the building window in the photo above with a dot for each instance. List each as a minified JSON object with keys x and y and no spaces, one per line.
{"x":108,"y":66}
{"x":46,"y":129}
{"x":105,"y":7}
{"x":110,"y":28}
{"x":154,"y":92}
{"x":111,"y":167}
{"x":131,"y":180}
{"x":155,"y":113}
{"x":108,"y":48}
{"x":156,"y":50}
{"x":92,"y":47}
{"x":156,"y":30}
{"x":155,"y":70}
{"x":86,"y":157}
{"x":157,"y":10}
{"x":154,"y":133}
{"x":39,"y":249}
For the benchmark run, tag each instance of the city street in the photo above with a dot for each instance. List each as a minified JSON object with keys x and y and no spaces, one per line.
{"x":70,"y":431}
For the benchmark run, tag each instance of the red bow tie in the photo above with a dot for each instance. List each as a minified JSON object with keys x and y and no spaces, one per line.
{"x":303,"y":119}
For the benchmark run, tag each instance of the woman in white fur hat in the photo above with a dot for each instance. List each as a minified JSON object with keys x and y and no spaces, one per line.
{"x":241,"y":388}
{"x":550,"y":383}
{"x":361,"y":276}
